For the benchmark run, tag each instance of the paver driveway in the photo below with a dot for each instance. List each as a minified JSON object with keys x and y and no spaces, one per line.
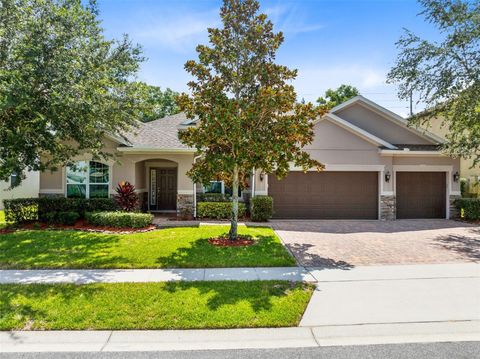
{"x":343,"y":244}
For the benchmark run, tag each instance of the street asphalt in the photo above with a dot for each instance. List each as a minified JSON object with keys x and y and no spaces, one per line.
{"x":459,"y":350}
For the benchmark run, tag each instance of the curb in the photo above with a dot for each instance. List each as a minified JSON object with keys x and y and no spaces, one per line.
{"x":262,"y":338}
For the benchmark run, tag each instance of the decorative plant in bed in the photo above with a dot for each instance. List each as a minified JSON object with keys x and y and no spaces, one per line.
{"x":98,"y":214}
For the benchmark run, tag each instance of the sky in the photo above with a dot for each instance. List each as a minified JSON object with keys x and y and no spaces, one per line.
{"x":330,"y":42}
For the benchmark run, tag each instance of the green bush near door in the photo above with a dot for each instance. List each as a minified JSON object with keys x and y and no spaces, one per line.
{"x":261,"y":208}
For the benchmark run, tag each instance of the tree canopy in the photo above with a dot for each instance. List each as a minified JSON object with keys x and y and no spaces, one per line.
{"x":160,"y":103}
{"x":63,"y":85}
{"x":245,"y":104}
{"x":335,"y":97}
{"x":445,"y":73}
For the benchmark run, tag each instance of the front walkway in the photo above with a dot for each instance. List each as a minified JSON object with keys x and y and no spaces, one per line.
{"x":344,"y":244}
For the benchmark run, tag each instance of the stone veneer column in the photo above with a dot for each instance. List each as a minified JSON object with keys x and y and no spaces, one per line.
{"x":387,"y":208}
{"x":454,"y":213}
{"x":185,"y":206}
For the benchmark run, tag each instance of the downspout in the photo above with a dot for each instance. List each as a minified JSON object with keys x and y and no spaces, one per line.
{"x":253,"y":182}
{"x":195,"y":190}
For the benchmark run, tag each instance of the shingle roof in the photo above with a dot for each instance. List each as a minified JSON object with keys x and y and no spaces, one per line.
{"x":161,"y":133}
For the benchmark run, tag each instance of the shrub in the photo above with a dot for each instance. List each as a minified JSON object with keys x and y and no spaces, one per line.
{"x":119,"y":219}
{"x":212,"y":197}
{"x":469,"y":208}
{"x":126,"y":197}
{"x":219,"y":210}
{"x":66,"y":218}
{"x":22,"y":210}
{"x":261,"y":208}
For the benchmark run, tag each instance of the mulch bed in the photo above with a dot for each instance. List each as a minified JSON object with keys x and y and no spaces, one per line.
{"x":226,"y":242}
{"x":80,"y":225}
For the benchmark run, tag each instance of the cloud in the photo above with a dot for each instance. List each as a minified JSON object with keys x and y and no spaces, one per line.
{"x":180,"y":31}
{"x":291,"y":19}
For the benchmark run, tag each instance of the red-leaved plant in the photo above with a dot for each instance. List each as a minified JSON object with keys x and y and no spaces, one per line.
{"x":126,"y":197}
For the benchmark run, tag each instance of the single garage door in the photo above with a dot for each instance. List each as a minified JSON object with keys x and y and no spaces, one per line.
{"x":421,"y":195}
{"x":325,"y":195}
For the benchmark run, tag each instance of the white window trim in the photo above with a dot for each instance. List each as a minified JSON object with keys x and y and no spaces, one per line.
{"x":223,"y":190}
{"x":87,"y":183}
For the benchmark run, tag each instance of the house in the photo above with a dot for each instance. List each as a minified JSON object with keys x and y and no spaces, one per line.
{"x":29,"y":187}
{"x":376,"y":168}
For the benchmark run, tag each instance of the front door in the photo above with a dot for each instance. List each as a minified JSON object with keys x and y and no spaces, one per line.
{"x":163,"y":189}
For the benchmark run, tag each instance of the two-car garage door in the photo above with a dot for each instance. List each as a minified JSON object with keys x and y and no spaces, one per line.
{"x":325,"y":195}
{"x":354,"y":195}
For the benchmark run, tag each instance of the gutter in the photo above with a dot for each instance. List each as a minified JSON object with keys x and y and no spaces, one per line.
{"x":141,"y":150}
{"x":408,"y":153}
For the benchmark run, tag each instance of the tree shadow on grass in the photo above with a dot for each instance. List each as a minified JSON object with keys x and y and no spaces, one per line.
{"x":58,"y":249}
{"x":267,"y":251}
{"x":21,"y":304}
{"x":306,"y":258}
{"x":467,"y":247}
{"x":258,"y":294}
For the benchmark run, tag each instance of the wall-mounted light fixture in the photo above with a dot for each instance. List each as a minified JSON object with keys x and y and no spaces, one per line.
{"x":261,"y":176}
{"x":387,"y":176}
{"x":456,"y":176}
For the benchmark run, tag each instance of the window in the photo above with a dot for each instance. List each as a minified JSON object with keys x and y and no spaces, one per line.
{"x":14,"y":179}
{"x":219,"y":187}
{"x":88,"y":180}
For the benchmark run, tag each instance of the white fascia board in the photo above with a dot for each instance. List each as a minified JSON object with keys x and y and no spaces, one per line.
{"x":402,"y":153}
{"x":392,"y":116}
{"x":117,"y":139}
{"x":155,"y":150}
{"x":358,"y":131}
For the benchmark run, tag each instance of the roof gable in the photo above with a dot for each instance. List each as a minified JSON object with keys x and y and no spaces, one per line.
{"x":381,"y":122}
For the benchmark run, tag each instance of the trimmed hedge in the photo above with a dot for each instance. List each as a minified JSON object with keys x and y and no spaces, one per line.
{"x":261,"y":208}
{"x":66,"y":218}
{"x":219,"y":210}
{"x":212,"y":197}
{"x":21,"y":210}
{"x":119,"y":219}
{"x":469,"y":208}
{"x":30,"y":209}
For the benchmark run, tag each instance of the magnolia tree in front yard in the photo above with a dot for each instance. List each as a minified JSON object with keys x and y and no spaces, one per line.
{"x":246,"y":107}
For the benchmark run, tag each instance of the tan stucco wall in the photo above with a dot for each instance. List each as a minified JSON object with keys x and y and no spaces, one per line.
{"x":28,"y":188}
{"x":467,"y":169}
{"x":379,"y":125}
{"x":339,"y":149}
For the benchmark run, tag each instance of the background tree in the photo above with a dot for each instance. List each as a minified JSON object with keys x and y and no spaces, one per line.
{"x":336,"y":97}
{"x":63,"y":86}
{"x":160,"y":103}
{"x":445,"y":74}
{"x":245,"y":104}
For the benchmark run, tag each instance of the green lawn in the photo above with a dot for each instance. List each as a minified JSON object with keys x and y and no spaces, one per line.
{"x":185,"y":247}
{"x":179,"y":305}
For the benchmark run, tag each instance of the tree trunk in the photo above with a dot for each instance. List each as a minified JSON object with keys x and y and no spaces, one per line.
{"x":233,"y":233}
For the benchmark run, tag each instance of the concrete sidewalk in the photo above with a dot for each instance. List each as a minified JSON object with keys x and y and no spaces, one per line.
{"x":85,"y":276}
{"x":309,"y":274}
{"x":169,"y":340}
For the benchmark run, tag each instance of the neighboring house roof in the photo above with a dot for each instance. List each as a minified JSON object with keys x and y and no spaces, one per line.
{"x":158,"y":134}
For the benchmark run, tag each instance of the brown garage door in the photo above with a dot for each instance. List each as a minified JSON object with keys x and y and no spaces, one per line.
{"x":421,"y":195}
{"x":325,"y":195}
